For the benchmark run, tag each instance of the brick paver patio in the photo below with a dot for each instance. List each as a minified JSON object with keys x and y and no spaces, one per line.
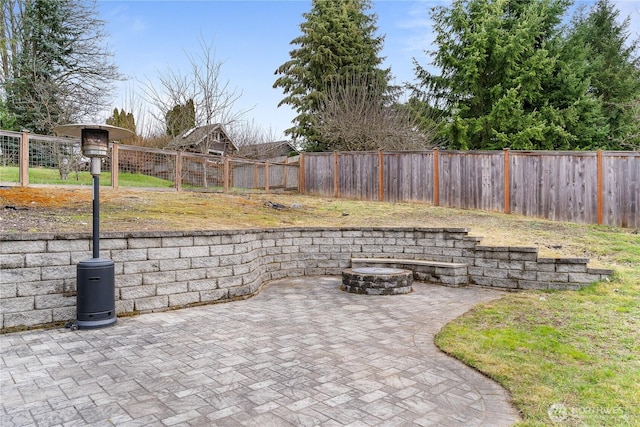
{"x":300,"y":353}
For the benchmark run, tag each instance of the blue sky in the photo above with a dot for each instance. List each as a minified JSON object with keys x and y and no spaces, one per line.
{"x":252,"y":38}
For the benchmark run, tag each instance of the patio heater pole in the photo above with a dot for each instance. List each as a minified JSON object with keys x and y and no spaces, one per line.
{"x":96,"y":212}
{"x":95,"y":284}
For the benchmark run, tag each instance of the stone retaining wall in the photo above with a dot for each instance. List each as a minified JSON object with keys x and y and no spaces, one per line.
{"x":163,"y":270}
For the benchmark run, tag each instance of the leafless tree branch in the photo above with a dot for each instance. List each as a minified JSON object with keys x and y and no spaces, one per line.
{"x":357,"y":116}
{"x":214,"y":99}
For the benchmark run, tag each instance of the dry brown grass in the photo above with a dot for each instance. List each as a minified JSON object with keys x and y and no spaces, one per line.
{"x":61,"y":209}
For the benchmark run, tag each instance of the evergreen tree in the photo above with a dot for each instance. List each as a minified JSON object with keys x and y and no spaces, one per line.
{"x":508,"y":78}
{"x":338,"y":44}
{"x":122,"y":119}
{"x":32,"y":93}
{"x":55,"y":68}
{"x":180,"y":118}
{"x":613,"y":67}
{"x":7,"y":119}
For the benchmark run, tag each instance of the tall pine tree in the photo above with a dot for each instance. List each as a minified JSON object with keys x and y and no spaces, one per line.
{"x":508,"y":78}
{"x":613,"y":66}
{"x":338,"y":44}
{"x":180,"y":118}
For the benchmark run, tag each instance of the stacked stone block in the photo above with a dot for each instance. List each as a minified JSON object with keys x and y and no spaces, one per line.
{"x":377,"y":281}
{"x":521,"y":268}
{"x":164,"y":270}
{"x":442,"y":273}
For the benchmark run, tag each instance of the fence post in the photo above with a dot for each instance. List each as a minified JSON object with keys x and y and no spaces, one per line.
{"x":436,"y":177}
{"x":256,"y":178}
{"x":178,"y":171}
{"x":380,"y":176}
{"x":301,"y":174}
{"x":114,"y":165}
{"x":226,"y":174}
{"x":599,"y":187}
{"x":266,"y":177}
{"x":336,"y":176}
{"x":507,"y":183}
{"x":284,"y":173}
{"x":24,"y":159}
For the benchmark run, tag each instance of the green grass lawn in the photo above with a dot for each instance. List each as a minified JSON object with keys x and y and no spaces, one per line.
{"x":52,"y":176}
{"x":578,"y":351}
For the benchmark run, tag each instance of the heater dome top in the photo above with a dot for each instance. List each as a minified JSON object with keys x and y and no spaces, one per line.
{"x":75,"y":130}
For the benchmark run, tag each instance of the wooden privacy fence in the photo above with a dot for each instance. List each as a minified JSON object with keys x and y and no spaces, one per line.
{"x":29,"y":153}
{"x":600,"y":187}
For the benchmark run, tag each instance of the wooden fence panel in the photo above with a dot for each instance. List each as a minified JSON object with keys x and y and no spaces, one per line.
{"x":408,"y":176}
{"x":282,"y":176}
{"x":358,"y":175}
{"x":621,"y":174}
{"x":319,"y":174}
{"x":555,"y":185}
{"x":525,"y":182}
{"x":472,"y":180}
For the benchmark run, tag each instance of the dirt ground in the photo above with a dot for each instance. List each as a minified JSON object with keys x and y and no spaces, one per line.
{"x":65,"y":210}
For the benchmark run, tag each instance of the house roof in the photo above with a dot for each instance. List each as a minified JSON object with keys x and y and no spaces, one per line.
{"x":266,"y":150}
{"x":195,"y":136}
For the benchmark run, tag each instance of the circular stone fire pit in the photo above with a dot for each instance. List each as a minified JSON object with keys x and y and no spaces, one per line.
{"x":377,"y":281}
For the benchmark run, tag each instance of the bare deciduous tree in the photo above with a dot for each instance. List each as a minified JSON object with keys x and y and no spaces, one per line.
{"x":245,"y":132}
{"x":357,"y":116}
{"x":213,"y":98}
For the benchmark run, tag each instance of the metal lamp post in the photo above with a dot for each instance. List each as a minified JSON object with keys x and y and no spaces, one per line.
{"x":95,"y":290}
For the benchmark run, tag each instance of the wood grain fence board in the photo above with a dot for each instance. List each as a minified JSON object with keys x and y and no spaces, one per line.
{"x":622,"y":189}
{"x":422,"y":177}
{"x":349,"y":185}
{"x":472,"y":180}
{"x":585,"y":182}
{"x":417,"y":177}
{"x":318,"y":174}
{"x":367,"y":175}
{"x":448,"y":189}
{"x":559,"y":186}
{"x":357,"y":176}
{"x":392,"y":177}
{"x":521,"y":197}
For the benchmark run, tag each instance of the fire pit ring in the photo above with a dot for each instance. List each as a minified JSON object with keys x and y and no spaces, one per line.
{"x":377,"y":281}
